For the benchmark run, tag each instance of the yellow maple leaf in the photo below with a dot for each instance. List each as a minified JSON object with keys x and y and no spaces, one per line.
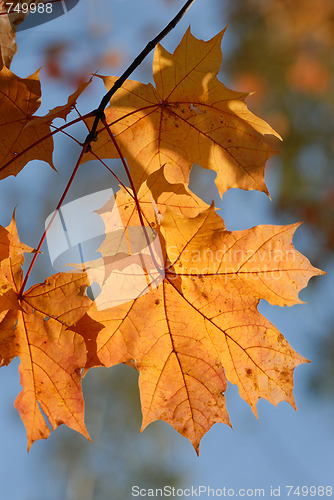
{"x":34,"y":327}
{"x":20,"y":99}
{"x":200,"y":325}
{"x":189,"y":117}
{"x":25,"y":137}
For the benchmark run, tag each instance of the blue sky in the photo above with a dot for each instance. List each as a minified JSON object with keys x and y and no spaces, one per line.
{"x":283,"y":447}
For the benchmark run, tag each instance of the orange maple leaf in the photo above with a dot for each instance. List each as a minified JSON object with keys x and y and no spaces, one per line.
{"x":20,"y":99}
{"x":63,"y":110}
{"x":34,"y":327}
{"x":26,"y":137}
{"x":200,"y":325}
{"x":189,"y":117}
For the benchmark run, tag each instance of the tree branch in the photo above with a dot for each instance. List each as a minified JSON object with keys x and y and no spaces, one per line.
{"x":99,"y":112}
{"x":51,"y":221}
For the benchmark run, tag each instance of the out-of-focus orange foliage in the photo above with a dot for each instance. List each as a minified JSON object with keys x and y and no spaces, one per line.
{"x":286,"y":48}
{"x":299,"y":36}
{"x":308,"y":21}
{"x":56,"y":63}
{"x":308,"y":74}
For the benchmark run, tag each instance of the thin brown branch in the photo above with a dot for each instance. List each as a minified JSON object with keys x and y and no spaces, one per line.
{"x":99,"y":112}
{"x":113,"y":173}
{"x":51,"y":220}
{"x":58,"y":129}
{"x":140,"y":215}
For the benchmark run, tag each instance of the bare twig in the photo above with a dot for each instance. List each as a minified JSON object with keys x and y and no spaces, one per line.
{"x":140,"y":215}
{"x":39,"y":141}
{"x":51,"y":220}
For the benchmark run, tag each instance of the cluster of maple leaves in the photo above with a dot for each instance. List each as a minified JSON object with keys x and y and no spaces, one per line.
{"x":198,"y":325}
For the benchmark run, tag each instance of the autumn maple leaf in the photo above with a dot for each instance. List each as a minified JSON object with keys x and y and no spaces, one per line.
{"x":25,"y":137}
{"x":20,"y":99}
{"x":200,"y":326}
{"x":34,"y":328}
{"x":189,"y":117}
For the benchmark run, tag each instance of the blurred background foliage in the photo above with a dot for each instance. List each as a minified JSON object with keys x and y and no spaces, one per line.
{"x":284,"y":53}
